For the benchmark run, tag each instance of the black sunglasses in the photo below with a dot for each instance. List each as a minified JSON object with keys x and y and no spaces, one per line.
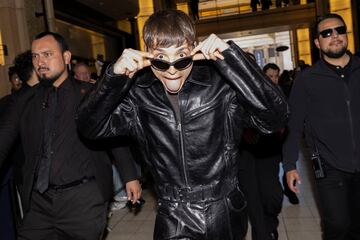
{"x":179,"y":64}
{"x":328,"y":32}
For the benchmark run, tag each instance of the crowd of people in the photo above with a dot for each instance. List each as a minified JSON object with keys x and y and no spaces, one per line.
{"x":266,"y":4}
{"x":210,"y":125}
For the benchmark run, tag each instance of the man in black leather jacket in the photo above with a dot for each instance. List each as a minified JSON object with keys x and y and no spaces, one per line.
{"x":188,"y":117}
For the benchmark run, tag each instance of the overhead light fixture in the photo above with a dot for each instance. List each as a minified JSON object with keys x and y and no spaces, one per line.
{"x":282,"y":48}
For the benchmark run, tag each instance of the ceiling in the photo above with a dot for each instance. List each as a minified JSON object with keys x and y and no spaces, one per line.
{"x":116,"y":9}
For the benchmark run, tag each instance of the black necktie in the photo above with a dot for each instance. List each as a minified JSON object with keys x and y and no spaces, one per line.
{"x":49,"y":108}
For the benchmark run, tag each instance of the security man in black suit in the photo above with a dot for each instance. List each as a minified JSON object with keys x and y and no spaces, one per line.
{"x":64,"y":182}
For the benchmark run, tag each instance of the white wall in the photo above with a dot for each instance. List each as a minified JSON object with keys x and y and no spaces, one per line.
{"x":266,"y":41}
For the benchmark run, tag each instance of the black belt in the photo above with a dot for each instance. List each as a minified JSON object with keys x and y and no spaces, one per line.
{"x":200,"y":193}
{"x":71,"y":184}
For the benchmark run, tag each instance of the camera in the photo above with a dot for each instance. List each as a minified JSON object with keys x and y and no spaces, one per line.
{"x":318,"y":166}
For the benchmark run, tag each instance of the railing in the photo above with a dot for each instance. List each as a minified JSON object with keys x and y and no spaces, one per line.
{"x":215,"y":8}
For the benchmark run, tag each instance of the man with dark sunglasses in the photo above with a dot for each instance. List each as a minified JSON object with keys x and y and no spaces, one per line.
{"x":187,"y":115}
{"x":325,"y":99}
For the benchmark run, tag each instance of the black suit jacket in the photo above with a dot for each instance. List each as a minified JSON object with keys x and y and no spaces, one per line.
{"x":21,"y":119}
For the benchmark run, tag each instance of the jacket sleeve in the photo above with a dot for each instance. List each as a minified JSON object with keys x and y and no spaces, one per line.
{"x":8,"y":133}
{"x":266,"y":104}
{"x":125,"y":163}
{"x":104,"y":112}
{"x":298,"y":101}
{"x":10,"y":123}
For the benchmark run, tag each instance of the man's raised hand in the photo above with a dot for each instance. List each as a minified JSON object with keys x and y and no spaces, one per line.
{"x":210,"y":48}
{"x":132,"y":61}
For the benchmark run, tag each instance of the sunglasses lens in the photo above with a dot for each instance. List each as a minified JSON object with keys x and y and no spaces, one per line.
{"x":341,"y":30}
{"x":326,"y":33}
{"x":178,"y":64}
{"x":183,"y":63}
{"x":160,"y":65}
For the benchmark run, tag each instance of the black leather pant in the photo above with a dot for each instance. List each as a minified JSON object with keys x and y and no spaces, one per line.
{"x":222,"y":219}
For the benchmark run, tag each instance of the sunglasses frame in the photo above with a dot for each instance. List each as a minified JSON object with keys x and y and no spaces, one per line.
{"x":324,"y":33}
{"x":169,"y":64}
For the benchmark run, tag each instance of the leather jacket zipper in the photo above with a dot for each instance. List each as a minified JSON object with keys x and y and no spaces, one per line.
{"x":182,"y":148}
{"x":348,"y":104}
{"x":179,"y":128}
{"x":178,"y":120}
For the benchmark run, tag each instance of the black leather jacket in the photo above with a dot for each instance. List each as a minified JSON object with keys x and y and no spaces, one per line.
{"x":216,"y":100}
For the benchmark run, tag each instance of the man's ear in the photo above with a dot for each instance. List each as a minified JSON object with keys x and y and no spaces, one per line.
{"x":67,"y":57}
{"x":317,"y":43}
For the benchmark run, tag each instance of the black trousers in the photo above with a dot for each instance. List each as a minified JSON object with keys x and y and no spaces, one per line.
{"x":7,"y":221}
{"x":224,"y":219}
{"x":71,"y":214}
{"x":339,"y":195}
{"x":259,"y":178}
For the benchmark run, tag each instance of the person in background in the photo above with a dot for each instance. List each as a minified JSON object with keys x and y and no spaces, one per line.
{"x":253,"y":5}
{"x":285,"y":82}
{"x":126,"y":152}
{"x":7,"y":222}
{"x":120,"y":197}
{"x":82,"y":72}
{"x":325,"y":102}
{"x":23,"y":70}
{"x":265,"y":4}
{"x":259,"y":174}
{"x":187,"y":115}
{"x":273,"y":72}
{"x":14,"y":79}
{"x":278,"y":3}
{"x":15,"y":86}
{"x":302,"y":65}
{"x":194,"y":7}
{"x":21,"y":76}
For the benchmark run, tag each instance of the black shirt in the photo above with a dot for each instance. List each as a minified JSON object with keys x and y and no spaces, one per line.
{"x":342,"y":72}
{"x":329,"y":109}
{"x":174,"y":100}
{"x":70,"y":160}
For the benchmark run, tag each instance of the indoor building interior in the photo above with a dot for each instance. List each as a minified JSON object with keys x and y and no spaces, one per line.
{"x":102,"y":29}
{"x":99,"y":30}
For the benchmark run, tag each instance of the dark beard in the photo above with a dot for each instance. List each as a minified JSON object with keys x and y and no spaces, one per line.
{"x":331,"y":54}
{"x":48,"y":81}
